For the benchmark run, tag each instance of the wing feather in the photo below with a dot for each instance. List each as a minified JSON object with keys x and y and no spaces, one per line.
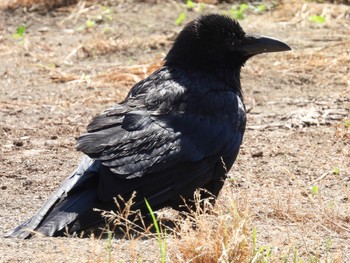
{"x":144,"y":135}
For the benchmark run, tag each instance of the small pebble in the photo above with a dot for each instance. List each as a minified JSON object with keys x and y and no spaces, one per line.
{"x":257,"y":154}
{"x":18,"y":143}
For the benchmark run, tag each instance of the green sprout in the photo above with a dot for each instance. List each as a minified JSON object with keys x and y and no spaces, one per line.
{"x":109,"y":247}
{"x":90,"y":23}
{"x":180,"y":19}
{"x":238,"y":12}
{"x":314,"y":190}
{"x":262,"y":8}
{"x":254,"y":240}
{"x":336,"y":171}
{"x":161,"y":241}
{"x":295,"y":256}
{"x":317,"y":19}
{"x":347,"y":124}
{"x":201,"y":7}
{"x":20,"y":32}
{"x":189,"y":4}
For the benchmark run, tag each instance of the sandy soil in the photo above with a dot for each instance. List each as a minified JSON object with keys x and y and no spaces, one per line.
{"x":293,"y":172}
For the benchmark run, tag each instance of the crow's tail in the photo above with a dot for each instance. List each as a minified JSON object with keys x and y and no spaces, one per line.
{"x":68,"y":207}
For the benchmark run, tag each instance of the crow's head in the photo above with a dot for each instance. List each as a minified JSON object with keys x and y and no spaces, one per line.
{"x":216,"y":41}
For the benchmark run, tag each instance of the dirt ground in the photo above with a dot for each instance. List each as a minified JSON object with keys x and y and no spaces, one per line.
{"x":293,"y":172}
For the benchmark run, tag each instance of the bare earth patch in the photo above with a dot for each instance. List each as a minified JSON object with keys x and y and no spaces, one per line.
{"x":291,"y":180}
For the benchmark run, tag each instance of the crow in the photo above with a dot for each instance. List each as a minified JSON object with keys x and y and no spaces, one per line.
{"x":178,"y":130}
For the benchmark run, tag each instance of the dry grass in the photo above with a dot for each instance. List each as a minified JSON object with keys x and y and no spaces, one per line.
{"x":123,"y":76}
{"x":127,"y":75}
{"x":343,"y":131}
{"x":99,"y":45}
{"x":223,"y":233}
{"x":205,"y":234}
{"x":209,"y":234}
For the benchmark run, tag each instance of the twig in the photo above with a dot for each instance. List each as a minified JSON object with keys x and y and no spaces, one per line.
{"x":71,"y":54}
{"x":320,"y":178}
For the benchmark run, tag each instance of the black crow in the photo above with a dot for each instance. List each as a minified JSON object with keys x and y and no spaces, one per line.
{"x":177,"y":130}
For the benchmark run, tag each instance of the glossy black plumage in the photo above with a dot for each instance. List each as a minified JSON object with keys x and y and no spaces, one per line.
{"x":177,"y":130}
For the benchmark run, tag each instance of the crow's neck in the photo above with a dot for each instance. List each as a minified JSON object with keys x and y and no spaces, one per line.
{"x":233,"y":78}
{"x":228,"y":75}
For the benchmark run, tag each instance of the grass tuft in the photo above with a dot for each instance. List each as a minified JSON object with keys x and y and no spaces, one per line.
{"x":211,"y":234}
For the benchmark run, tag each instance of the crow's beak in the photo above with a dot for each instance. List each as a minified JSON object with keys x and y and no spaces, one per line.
{"x":254,"y":45}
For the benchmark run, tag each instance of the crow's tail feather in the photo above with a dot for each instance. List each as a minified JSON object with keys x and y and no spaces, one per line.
{"x":74,"y":199}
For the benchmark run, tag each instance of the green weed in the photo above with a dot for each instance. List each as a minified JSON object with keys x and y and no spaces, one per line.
{"x":20,"y":32}
{"x":254,"y":240}
{"x":90,"y":23}
{"x":190,"y":4}
{"x":180,"y":19}
{"x":317,"y":19}
{"x":336,"y":171}
{"x":161,"y":236}
{"x":242,"y":10}
{"x":101,"y":18}
{"x":314,"y":190}
{"x":109,"y":247}
{"x":262,"y":8}
{"x":295,"y":256}
{"x":238,"y":12}
{"x":261,"y":254}
{"x":201,"y":7}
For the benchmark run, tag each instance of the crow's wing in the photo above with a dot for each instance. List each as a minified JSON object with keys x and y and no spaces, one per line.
{"x":158,"y":127}
{"x":131,"y":152}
